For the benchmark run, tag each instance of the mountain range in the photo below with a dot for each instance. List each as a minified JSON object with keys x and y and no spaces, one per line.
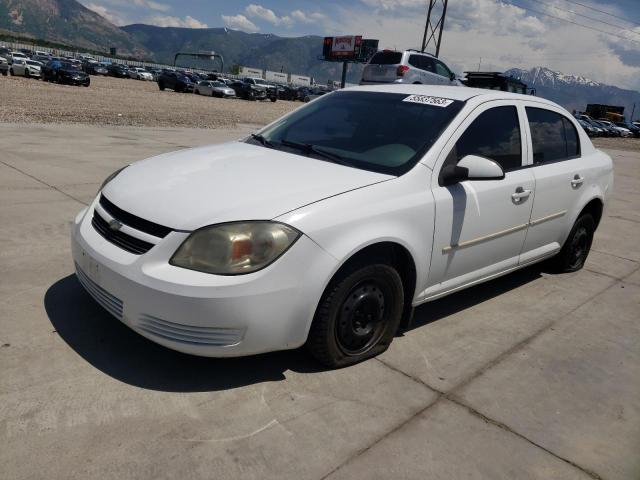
{"x":68,"y":22}
{"x":575,"y":92}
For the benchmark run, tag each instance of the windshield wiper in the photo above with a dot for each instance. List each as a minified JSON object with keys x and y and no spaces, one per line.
{"x":309,"y":148}
{"x":260,"y":138}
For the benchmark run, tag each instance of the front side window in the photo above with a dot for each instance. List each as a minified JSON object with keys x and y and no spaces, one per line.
{"x":553,"y":136}
{"x":495,"y":135}
{"x":381,"y":132}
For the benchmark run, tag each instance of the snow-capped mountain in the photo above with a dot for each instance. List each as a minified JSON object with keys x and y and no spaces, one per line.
{"x":541,"y":76}
{"x":574,"y":92}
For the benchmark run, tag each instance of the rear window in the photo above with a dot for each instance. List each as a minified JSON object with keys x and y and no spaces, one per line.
{"x":386,"y":58}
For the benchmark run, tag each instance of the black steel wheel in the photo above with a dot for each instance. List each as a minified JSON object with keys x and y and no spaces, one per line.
{"x":358,"y":315}
{"x":576,"y":248}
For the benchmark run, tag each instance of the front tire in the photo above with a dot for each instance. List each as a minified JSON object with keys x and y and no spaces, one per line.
{"x":575,"y":250}
{"x":358,"y":315}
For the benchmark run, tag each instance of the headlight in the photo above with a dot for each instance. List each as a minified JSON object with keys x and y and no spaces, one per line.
{"x":111,"y":177}
{"x":234,"y":248}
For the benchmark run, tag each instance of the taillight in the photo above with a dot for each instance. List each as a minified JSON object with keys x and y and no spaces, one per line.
{"x":401,"y":70}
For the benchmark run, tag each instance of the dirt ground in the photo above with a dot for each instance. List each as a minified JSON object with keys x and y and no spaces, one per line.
{"x":629,"y":144}
{"x":124,"y":102}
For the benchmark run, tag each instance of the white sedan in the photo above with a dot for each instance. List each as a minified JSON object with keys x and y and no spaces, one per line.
{"x":26,"y":68}
{"x":331,"y":224}
{"x":214,"y":89}
{"x":138,"y":73}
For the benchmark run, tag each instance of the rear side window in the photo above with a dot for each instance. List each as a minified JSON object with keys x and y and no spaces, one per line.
{"x":386,"y":58}
{"x":553,"y":136}
{"x":442,"y":70}
{"x":495,"y":134}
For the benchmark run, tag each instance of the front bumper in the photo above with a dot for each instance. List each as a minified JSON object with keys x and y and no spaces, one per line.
{"x":199,"y":313}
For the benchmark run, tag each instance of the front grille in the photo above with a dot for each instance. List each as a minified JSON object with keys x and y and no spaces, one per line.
{"x":133,"y":221}
{"x":189,"y":334}
{"x":110,"y":303}
{"x":121,"y":239}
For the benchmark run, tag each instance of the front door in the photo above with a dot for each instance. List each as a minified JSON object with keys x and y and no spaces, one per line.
{"x":481,"y":225}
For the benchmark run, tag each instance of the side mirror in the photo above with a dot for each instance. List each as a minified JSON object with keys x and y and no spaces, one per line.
{"x":452,"y":76}
{"x":471,"y":167}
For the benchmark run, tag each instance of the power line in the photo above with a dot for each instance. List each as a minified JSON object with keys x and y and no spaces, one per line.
{"x":510,"y":2}
{"x":602,"y":11}
{"x":588,"y":17}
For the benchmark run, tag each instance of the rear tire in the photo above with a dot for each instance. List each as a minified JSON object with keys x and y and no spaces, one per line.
{"x":575,"y":250}
{"x":358,"y":315}
{"x":161,"y":86}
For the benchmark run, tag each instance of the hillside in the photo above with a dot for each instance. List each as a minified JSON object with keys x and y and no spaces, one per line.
{"x":67,"y":22}
{"x":574,"y":92}
{"x":266,"y":51}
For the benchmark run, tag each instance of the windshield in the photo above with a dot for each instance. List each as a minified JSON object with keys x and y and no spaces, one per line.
{"x":381,"y":132}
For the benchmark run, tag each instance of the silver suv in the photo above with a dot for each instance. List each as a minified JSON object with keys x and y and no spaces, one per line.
{"x":410,"y":66}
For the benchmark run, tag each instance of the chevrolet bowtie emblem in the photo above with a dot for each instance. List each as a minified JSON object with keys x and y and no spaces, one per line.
{"x":115,"y":225}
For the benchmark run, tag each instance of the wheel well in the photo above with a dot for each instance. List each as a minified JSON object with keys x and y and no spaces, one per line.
{"x":397,"y":256}
{"x":594,"y":207}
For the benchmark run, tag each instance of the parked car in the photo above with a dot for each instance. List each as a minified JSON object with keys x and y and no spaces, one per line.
{"x":43,"y":59}
{"x":314,"y":93}
{"x":214,"y":89}
{"x":364,"y":204}
{"x":408,"y":66}
{"x":26,"y":68}
{"x":95,"y":68}
{"x":589,"y":129}
{"x":139,"y":73}
{"x":13,"y":56}
{"x":248,"y":91}
{"x":605,"y":131}
{"x":66,"y":73}
{"x":634,"y":129}
{"x":118,"y":70}
{"x":4,"y":66}
{"x":620,"y":131}
{"x":258,"y":83}
{"x":175,"y":81}
{"x":287,"y":93}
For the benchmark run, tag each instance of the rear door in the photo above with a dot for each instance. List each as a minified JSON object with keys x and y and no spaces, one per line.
{"x":561,"y":174}
{"x":481,"y":225}
{"x":430,"y":73}
{"x":383,"y":67}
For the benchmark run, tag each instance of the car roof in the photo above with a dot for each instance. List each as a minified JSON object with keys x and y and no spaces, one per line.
{"x":451,"y":92}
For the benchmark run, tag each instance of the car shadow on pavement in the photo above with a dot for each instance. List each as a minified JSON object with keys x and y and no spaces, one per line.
{"x":443,"y":307}
{"x":116,"y":350}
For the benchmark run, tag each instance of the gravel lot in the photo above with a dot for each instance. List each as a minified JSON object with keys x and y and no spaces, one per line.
{"x":628,"y":144}
{"x":116,"y":101}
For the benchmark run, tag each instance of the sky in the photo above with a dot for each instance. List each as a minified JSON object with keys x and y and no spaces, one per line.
{"x":490,"y":34}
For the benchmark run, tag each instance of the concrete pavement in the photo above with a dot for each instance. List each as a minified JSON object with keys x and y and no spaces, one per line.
{"x":531,"y":376}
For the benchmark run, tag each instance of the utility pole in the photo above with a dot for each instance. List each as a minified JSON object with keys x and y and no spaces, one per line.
{"x":435,"y":25}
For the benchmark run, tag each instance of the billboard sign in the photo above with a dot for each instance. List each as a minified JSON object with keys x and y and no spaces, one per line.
{"x":348,"y":48}
{"x":345,"y":46}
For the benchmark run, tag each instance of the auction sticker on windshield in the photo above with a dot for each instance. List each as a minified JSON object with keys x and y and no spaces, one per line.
{"x":428,"y":100}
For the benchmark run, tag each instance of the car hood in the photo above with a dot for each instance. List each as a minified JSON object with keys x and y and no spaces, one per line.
{"x":192,"y":188}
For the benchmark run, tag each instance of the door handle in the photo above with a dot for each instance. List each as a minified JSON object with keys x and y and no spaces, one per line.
{"x":577,"y":181}
{"x":520,"y":195}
